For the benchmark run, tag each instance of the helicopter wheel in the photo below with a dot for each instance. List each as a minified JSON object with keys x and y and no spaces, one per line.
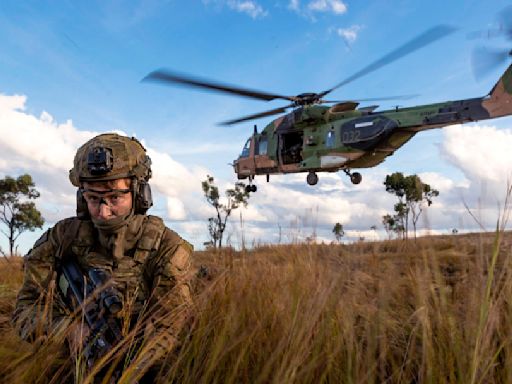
{"x":250,"y":188}
{"x":312,"y":178}
{"x":356,"y":178}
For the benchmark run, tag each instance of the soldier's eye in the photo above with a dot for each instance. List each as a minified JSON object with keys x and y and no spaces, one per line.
{"x":93,"y":199}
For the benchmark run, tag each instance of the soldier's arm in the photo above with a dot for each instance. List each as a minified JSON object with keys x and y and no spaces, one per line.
{"x":38,"y":311}
{"x":171,"y":295}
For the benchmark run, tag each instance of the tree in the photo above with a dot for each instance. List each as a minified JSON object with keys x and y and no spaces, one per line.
{"x":392,"y":224}
{"x":234,"y":198}
{"x":338,"y":231}
{"x":412,"y":194}
{"x":18,"y":214}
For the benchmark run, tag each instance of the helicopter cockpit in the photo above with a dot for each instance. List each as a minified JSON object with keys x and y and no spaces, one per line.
{"x":247,"y":149}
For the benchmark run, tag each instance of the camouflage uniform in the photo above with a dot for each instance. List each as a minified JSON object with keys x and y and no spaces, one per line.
{"x":149,"y":264}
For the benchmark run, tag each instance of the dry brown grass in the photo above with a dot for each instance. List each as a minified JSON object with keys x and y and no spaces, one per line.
{"x":436,"y":310}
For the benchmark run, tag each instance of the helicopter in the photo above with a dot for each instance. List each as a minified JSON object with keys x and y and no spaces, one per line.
{"x":315,"y":137}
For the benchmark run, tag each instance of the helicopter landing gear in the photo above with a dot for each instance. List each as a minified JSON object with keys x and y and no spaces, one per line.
{"x":355,"y":177}
{"x":250,"y":188}
{"x":312,"y":178}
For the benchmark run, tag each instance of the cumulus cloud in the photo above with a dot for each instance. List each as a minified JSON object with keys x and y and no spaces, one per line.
{"x":337,"y":7}
{"x":349,"y":35}
{"x":284,"y":210}
{"x":481,"y":152}
{"x":45,"y":149}
{"x":294,"y":5}
{"x":249,"y":7}
{"x":312,"y":7}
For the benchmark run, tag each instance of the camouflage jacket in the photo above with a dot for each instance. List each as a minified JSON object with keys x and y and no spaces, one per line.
{"x":152,"y":272}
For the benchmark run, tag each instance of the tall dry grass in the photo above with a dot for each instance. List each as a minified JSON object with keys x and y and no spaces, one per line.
{"x":437,"y":310}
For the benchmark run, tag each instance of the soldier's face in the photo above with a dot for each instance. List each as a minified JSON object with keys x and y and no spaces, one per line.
{"x":108,"y":200}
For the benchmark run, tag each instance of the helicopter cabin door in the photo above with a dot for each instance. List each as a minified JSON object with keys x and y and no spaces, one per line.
{"x":290,"y":148}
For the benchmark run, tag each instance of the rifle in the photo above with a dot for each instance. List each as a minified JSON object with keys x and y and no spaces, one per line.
{"x":98,"y":303}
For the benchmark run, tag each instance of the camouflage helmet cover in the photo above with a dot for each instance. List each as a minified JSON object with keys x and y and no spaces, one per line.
{"x":118,"y":156}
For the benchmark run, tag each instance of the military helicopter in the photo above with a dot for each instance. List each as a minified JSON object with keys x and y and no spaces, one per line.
{"x":315,"y":137}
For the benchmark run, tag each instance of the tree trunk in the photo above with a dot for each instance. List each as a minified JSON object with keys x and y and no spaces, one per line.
{"x":11,"y":239}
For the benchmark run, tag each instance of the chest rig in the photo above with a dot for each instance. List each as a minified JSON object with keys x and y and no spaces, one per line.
{"x":132,"y":273}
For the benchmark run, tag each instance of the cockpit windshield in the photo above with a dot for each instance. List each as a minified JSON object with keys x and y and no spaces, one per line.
{"x":247,"y":148}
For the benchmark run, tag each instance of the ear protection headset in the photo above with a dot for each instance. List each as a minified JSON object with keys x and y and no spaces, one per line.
{"x":142,"y":198}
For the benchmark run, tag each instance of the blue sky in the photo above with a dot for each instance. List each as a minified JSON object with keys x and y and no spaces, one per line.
{"x":78,"y":66}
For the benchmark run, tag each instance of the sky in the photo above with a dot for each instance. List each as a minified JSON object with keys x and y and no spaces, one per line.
{"x":71,"y":70}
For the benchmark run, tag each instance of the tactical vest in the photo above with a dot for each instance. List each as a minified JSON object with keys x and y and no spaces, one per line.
{"x":132,"y":274}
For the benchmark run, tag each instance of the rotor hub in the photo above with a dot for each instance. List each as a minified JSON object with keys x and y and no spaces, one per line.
{"x":307,"y":98}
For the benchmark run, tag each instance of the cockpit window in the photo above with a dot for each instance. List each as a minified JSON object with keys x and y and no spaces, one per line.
{"x":246,"y":150}
{"x":262,"y":147}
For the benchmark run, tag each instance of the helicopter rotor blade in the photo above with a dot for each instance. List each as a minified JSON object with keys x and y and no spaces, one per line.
{"x":257,"y":115}
{"x":400,"y":97}
{"x":168,"y":77}
{"x":418,"y":42}
{"x":484,"y":60}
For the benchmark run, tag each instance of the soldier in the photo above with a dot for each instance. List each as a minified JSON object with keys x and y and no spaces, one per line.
{"x":148,"y":264}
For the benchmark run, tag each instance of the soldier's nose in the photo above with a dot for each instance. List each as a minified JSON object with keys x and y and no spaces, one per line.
{"x":105,"y":211}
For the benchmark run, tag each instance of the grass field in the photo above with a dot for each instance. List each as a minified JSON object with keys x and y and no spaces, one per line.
{"x":437,"y":310}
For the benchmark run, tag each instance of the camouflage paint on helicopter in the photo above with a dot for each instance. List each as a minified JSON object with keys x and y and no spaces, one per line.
{"x":320,"y":138}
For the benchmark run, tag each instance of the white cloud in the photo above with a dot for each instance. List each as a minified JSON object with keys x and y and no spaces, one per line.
{"x":294,"y":5}
{"x":252,"y":8}
{"x":286,"y":208}
{"x":249,"y":7}
{"x":337,"y":7}
{"x":349,"y":35}
{"x":481,"y":152}
{"x":312,"y":7}
{"x":45,"y":149}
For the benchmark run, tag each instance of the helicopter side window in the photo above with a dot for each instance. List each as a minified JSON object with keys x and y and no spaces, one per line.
{"x":262,"y":147}
{"x":246,"y":150}
{"x":329,"y":140}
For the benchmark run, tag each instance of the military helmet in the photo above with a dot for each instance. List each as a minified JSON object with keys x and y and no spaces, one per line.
{"x":110,"y":156}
